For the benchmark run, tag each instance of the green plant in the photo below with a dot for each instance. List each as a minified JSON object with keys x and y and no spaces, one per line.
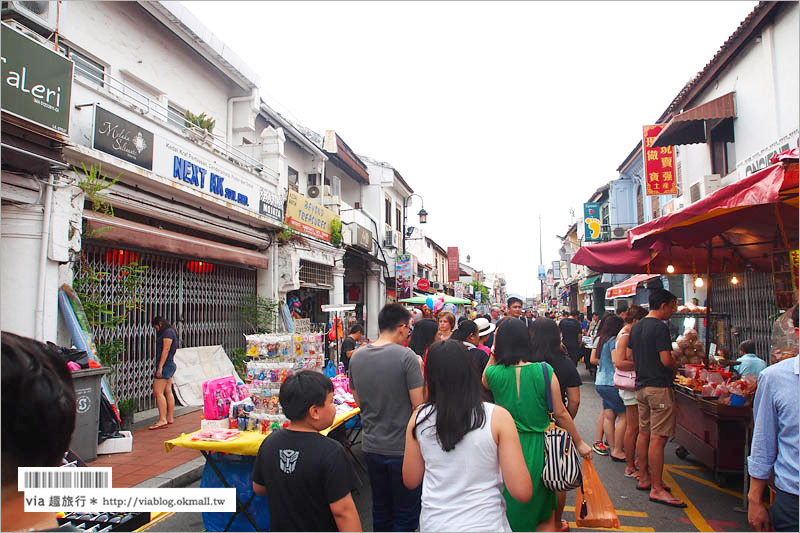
{"x":126,"y":406}
{"x":288,"y":235}
{"x":477,"y":286}
{"x":201,"y":121}
{"x":93,"y":184}
{"x":258,"y":313}
{"x":239,"y":359}
{"x":103,"y":312}
{"x":109,"y":352}
{"x":336,"y":232}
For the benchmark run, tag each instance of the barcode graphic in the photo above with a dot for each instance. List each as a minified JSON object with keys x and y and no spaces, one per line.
{"x":73,"y":478}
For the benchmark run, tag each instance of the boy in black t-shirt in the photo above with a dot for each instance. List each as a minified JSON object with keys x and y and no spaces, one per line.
{"x":305,"y":476}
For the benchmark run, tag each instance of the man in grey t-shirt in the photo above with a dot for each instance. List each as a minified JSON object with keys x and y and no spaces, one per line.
{"x":387,"y":384}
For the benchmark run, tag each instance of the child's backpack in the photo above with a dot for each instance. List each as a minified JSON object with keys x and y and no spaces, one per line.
{"x":217,"y":397}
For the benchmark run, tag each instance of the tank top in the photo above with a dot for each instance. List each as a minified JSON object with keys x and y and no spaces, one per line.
{"x":462,"y":490}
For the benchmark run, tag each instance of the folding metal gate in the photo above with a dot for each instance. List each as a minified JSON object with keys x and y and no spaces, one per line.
{"x":750,"y":304}
{"x":201,"y":301}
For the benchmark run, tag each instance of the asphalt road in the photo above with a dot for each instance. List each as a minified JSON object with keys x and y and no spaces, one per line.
{"x":711,"y":508}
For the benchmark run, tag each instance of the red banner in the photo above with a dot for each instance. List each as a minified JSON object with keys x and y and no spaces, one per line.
{"x":452,"y":263}
{"x":659,"y":164}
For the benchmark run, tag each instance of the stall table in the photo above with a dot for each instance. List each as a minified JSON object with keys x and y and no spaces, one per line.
{"x":715,"y":434}
{"x":247,"y":443}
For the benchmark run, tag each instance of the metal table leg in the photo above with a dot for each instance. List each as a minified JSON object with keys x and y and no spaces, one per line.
{"x":746,"y":481}
{"x":239,"y":507}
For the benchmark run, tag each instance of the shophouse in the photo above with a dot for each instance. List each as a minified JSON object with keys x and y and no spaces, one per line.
{"x":438,"y":274}
{"x":167,"y":116}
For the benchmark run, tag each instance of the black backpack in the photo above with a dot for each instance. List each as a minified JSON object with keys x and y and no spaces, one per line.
{"x":109,"y":423}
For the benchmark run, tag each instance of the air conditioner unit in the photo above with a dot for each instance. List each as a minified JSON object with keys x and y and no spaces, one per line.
{"x":24,"y":30}
{"x":436,"y":285}
{"x":619,"y":232}
{"x":704,"y":186}
{"x":314,"y":191}
{"x":41,"y":15}
{"x":391,"y":239}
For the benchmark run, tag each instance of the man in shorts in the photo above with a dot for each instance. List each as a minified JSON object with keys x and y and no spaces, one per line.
{"x":651,"y":347}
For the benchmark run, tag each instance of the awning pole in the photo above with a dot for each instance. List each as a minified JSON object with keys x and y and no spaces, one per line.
{"x":708,"y":303}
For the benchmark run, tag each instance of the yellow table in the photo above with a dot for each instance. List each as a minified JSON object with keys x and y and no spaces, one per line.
{"x":247,"y":443}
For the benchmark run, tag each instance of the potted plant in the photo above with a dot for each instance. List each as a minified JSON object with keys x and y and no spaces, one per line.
{"x":199,"y":127}
{"x":126,"y":409}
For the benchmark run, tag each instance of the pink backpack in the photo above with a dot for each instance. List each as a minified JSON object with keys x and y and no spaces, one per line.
{"x":217,"y":397}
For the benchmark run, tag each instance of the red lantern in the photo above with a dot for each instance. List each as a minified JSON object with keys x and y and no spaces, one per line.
{"x":199,"y":267}
{"x":121,"y":257}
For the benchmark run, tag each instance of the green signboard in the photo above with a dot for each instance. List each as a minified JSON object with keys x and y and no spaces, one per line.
{"x":37,"y":81}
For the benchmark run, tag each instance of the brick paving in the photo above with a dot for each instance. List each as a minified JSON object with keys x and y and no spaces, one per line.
{"x":148,"y":457}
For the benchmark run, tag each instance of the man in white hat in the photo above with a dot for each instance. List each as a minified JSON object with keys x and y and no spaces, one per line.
{"x":485,"y":333}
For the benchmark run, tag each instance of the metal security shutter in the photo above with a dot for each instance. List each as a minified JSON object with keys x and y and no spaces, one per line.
{"x":203,"y":307}
{"x":750,"y":304}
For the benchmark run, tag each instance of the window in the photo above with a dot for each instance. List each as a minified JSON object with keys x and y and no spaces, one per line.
{"x":639,"y":205}
{"x":175,"y":114}
{"x":723,"y":156}
{"x":312,"y":179}
{"x":387,"y":203}
{"x":399,"y":217}
{"x":294,"y":180}
{"x":88,"y":69}
{"x":655,"y":207}
{"x":336,"y":186}
{"x":316,"y":274}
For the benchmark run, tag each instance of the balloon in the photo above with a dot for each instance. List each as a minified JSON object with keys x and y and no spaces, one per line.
{"x":429,"y":302}
{"x":437,"y":305}
{"x":450,"y":307}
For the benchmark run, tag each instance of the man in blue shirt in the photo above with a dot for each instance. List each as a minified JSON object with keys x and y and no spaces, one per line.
{"x":749,"y":362}
{"x":774,"y":448}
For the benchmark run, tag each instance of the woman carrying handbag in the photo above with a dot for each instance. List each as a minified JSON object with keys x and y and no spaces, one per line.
{"x":625,"y":380}
{"x":521,"y":388}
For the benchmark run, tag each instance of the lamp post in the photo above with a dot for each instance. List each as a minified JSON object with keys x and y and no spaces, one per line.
{"x":423,"y":215}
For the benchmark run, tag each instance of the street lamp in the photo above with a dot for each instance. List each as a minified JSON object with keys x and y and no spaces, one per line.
{"x":423,"y":215}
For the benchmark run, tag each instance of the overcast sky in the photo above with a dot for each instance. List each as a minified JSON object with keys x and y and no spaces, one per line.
{"x":495,"y":113}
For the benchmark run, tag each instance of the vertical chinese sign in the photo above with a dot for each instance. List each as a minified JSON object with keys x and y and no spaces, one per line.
{"x":452,"y":264}
{"x":403,"y":276}
{"x":659,"y":164}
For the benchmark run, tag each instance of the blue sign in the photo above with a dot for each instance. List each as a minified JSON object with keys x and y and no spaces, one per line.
{"x":591,"y":221}
{"x":542,"y":273}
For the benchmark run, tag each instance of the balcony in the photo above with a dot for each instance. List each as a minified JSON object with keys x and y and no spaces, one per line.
{"x":159,"y":115}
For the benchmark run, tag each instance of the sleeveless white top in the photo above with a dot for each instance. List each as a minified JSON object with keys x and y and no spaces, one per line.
{"x":462,"y":490}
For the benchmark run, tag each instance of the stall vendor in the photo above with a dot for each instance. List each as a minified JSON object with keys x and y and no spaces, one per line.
{"x":749,"y":362}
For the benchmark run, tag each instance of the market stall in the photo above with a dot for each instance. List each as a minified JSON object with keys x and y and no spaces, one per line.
{"x":737,"y":228}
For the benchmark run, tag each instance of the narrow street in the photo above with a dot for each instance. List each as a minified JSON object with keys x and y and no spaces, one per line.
{"x":710,"y":507}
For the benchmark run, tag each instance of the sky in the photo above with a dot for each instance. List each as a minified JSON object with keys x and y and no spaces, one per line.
{"x":495,"y":113}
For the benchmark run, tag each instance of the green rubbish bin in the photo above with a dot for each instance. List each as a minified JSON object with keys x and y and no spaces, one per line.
{"x":87,"y":385}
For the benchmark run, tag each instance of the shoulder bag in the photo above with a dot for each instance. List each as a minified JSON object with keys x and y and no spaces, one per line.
{"x":562,"y":462}
{"x":625,"y":379}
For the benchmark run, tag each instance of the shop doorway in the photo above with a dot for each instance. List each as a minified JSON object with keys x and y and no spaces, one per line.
{"x":200,"y":299}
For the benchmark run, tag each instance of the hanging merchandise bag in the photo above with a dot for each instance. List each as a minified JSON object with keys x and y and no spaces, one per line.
{"x":593,"y":507}
{"x":330,"y":369}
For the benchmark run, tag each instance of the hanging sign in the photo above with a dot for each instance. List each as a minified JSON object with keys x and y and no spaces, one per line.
{"x":659,"y":164}
{"x":123,"y":139}
{"x":452,"y":264}
{"x":403,"y":276}
{"x":308,"y":216}
{"x":591,"y":222}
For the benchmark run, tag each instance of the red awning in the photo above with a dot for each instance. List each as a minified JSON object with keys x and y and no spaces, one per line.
{"x":123,"y":232}
{"x":628,"y":287}
{"x":690,"y":126}
{"x":744,"y":222}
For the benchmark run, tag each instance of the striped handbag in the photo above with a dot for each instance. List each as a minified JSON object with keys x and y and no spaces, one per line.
{"x":562,"y":462}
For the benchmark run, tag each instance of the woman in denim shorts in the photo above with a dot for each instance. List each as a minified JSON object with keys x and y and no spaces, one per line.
{"x":613,"y":408}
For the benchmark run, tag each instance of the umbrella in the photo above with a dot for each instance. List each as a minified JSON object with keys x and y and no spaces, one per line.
{"x":447,"y":299}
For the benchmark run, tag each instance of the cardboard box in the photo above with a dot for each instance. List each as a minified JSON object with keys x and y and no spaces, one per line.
{"x":118,"y":445}
{"x":215,"y":424}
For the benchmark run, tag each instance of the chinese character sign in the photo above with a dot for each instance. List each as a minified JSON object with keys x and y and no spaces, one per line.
{"x":452,"y":264}
{"x":591,"y":221}
{"x":659,"y":164}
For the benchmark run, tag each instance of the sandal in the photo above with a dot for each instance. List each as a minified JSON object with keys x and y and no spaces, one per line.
{"x":632,"y":475}
{"x":599,"y":448}
{"x":154,"y":427}
{"x":648,"y":488}
{"x":564,"y":526}
{"x":670,"y":502}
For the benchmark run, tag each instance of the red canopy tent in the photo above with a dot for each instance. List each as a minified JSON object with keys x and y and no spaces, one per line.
{"x":730,"y":230}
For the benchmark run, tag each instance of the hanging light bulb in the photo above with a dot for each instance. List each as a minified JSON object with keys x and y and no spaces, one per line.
{"x":670,"y":269}
{"x":734,"y":280}
{"x":698,"y":282}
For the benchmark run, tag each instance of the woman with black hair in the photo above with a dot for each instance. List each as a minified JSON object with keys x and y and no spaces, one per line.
{"x":613,"y":408}
{"x":423,"y":336}
{"x":467,"y":333}
{"x":166,"y":345}
{"x":454,"y":428}
{"x":519,"y":386}
{"x":546,"y":346}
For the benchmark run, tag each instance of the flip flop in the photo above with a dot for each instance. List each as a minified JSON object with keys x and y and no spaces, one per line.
{"x":670,"y":502}
{"x":648,"y":488}
{"x":617,"y":459}
{"x":564,"y":526}
{"x":153,"y":428}
{"x":632,"y":475}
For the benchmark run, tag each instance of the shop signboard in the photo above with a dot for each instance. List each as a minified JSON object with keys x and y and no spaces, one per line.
{"x":363,"y":237}
{"x":309,"y":217}
{"x":591,"y":222}
{"x":204,"y":172}
{"x":452,"y":264}
{"x":37,"y":81}
{"x":116,"y":136}
{"x":659,"y":164}
{"x":458,"y":288}
{"x":403,"y":276}
{"x":760,"y":159}
{"x":556,"y":269}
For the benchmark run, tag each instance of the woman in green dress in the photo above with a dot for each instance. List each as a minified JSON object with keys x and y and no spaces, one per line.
{"x":519,"y":386}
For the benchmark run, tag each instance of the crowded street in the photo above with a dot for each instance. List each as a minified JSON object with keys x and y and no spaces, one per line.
{"x":400,"y":266}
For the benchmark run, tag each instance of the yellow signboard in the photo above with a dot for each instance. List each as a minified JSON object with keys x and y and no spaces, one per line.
{"x":308,"y":216}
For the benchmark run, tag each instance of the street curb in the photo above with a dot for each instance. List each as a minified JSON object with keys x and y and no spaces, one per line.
{"x":180,"y":476}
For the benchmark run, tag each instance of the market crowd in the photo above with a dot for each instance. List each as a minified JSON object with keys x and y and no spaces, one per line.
{"x":437,"y":395}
